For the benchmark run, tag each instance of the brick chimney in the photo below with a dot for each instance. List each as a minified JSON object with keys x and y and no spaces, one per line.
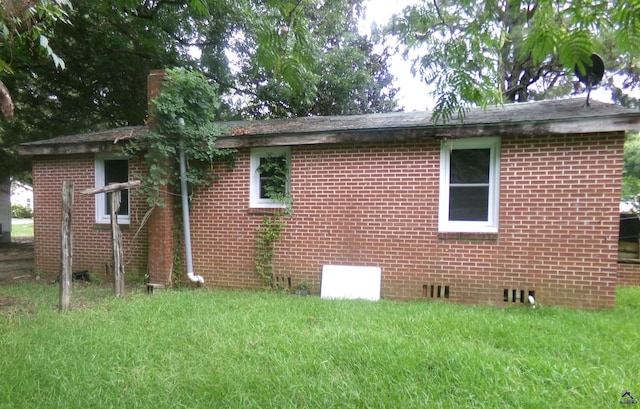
{"x":160,"y":224}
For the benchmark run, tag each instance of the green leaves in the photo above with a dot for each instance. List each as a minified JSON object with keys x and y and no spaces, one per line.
{"x":627,"y":30}
{"x":275,"y":171}
{"x":187,"y":95}
{"x":183,"y":115}
{"x":23,"y":23}
{"x":57,"y":61}
{"x":631,"y":170}
{"x":576,"y":49}
{"x":542,"y":38}
{"x":454,"y":40}
{"x":307,"y":58}
{"x":472,"y":51}
{"x":268,"y":233}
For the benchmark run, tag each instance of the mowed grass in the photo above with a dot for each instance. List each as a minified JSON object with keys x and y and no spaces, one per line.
{"x":226,"y":349}
{"x":22,"y":230}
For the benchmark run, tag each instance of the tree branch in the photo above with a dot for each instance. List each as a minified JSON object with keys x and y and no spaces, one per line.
{"x":6,"y":103}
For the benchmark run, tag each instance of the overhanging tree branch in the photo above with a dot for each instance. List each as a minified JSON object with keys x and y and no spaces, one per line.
{"x":6,"y":103}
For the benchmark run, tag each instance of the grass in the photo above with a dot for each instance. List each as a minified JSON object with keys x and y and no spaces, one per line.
{"x":225,"y":349}
{"x":22,"y":230}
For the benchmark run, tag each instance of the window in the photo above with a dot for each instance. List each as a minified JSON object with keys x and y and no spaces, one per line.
{"x":269,"y":176}
{"x":111,"y":169}
{"x":469,"y":175}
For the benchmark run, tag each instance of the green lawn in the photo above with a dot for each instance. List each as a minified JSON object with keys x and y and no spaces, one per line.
{"x":22,"y":230}
{"x":224,"y":349}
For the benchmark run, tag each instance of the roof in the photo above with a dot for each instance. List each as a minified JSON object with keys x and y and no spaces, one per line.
{"x":91,"y":142}
{"x":563,"y":116}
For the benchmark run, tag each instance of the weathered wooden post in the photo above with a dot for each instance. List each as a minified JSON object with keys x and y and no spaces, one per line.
{"x":66,"y":246}
{"x":113,"y":190}
{"x":116,"y":243}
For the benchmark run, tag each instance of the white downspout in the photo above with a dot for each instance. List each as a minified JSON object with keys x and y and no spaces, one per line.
{"x":185,"y":216}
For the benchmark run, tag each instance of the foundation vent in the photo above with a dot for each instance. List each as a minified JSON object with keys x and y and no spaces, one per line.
{"x":435,"y":291}
{"x":517,"y":296}
{"x":282,"y":283}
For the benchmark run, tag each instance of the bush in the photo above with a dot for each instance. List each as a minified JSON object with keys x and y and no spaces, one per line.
{"x":21,"y":212}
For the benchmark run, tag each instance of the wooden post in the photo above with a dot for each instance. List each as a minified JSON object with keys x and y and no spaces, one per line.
{"x":66,"y":247}
{"x":113,"y":190}
{"x":116,"y":243}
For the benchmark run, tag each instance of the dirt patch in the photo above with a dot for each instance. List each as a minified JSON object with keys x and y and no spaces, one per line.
{"x":8,"y":302}
{"x":10,"y":306}
{"x":16,"y":260}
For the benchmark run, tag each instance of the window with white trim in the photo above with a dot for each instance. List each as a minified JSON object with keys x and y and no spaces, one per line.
{"x":270,"y":176}
{"x":469,"y":185}
{"x":111,"y":169}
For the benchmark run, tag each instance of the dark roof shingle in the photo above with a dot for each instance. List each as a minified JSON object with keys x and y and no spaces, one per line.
{"x":531,"y":118}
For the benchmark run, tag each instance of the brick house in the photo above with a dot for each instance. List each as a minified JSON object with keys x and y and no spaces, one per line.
{"x":515,"y":200}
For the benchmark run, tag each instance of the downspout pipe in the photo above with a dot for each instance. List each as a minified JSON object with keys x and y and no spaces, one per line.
{"x":185,"y":216}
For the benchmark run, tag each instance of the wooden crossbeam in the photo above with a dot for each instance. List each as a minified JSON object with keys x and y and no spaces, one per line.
{"x":113,"y":190}
{"x":111,"y":187}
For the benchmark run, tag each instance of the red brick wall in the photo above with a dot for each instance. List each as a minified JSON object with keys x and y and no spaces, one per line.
{"x":377,"y":204}
{"x":628,"y":274}
{"x":161,"y":221}
{"x":91,"y":242}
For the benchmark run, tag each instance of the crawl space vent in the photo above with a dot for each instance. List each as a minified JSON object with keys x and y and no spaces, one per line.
{"x":517,"y":296}
{"x":435,"y":291}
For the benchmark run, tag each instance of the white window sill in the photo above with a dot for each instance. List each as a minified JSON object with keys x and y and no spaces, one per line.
{"x":108,"y":220}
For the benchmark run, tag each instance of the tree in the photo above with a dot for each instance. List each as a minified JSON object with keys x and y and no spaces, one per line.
{"x":342,"y":73}
{"x":110,"y":46}
{"x":496,"y":51}
{"x":355,"y":80}
{"x":631,"y":171}
{"x":103,"y":84}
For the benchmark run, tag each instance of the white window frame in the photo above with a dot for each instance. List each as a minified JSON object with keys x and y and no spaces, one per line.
{"x":102,"y":214}
{"x":255,"y":201}
{"x":457,"y":226}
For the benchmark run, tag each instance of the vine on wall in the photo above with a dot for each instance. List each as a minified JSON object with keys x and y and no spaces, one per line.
{"x":184,"y":115}
{"x":274,"y":172}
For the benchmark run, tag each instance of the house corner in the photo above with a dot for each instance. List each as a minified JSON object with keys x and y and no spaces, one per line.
{"x":161,"y":243}
{"x":161,"y":222}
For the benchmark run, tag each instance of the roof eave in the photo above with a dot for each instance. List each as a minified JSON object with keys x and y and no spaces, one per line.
{"x":70,"y":148}
{"x":435,"y":132}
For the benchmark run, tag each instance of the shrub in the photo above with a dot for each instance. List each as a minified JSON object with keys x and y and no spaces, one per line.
{"x":21,"y":212}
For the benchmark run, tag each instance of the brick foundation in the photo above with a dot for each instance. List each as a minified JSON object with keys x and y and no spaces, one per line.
{"x":628,"y":274}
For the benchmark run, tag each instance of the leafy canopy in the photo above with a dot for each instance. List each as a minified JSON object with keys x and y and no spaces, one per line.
{"x":631,"y":172}
{"x":274,"y":58}
{"x":183,"y":117}
{"x":307,"y":58}
{"x":484,"y":53}
{"x":24,"y":24}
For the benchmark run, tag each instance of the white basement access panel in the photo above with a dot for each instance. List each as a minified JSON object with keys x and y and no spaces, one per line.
{"x":351,"y":282}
